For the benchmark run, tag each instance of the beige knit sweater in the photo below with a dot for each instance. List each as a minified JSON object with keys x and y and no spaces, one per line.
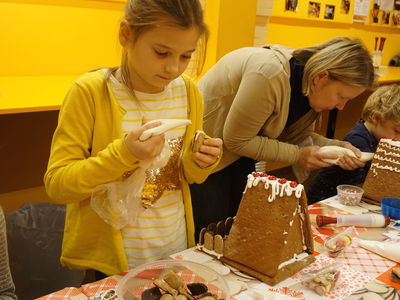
{"x":6,"y":283}
{"x":246,"y":102}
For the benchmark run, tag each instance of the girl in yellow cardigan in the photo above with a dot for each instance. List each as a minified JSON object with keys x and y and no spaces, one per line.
{"x":97,"y":140}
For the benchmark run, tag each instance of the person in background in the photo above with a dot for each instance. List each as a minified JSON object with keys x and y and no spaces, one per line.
{"x":97,"y":141}
{"x":263,"y":103}
{"x":7,"y":289}
{"x":380,"y":118}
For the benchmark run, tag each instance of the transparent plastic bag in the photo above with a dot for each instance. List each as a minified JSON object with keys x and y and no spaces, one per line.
{"x":118,"y":203}
{"x":322,"y":281}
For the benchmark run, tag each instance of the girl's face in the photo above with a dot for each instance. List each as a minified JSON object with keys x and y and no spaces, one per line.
{"x":158,"y":55}
{"x":384,"y":128}
{"x":328,"y":94}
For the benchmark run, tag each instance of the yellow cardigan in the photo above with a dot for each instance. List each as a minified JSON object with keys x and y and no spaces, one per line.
{"x":88,"y":150}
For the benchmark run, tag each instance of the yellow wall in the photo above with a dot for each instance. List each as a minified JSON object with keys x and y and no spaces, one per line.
{"x":69,"y":37}
{"x":299,"y":33}
{"x":45,"y":39}
{"x":58,"y":37}
{"x":231,"y":25}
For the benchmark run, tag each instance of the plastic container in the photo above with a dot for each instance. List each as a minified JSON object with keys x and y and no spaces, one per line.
{"x":336,"y":243}
{"x":349,"y":194}
{"x":391,"y":208}
{"x":141,"y":278}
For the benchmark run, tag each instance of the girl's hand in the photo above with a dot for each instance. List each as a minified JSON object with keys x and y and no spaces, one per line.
{"x":351,"y":163}
{"x":310,"y":158}
{"x":149,"y":148}
{"x":208,"y":153}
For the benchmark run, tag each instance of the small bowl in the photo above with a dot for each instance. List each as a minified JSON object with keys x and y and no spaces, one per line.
{"x":349,"y":194}
{"x":141,"y":278}
{"x":391,"y":208}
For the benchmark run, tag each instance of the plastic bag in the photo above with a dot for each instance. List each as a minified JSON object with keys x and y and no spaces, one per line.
{"x":34,"y":234}
{"x":119,"y":203}
{"x":322,"y":281}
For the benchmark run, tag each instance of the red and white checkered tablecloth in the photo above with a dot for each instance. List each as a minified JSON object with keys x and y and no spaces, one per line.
{"x":364,"y":261}
{"x":90,"y":290}
{"x":349,"y":280}
{"x":359,"y":267}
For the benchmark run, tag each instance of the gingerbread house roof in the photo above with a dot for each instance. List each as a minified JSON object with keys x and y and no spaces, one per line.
{"x":384,"y":174}
{"x":270,"y":237}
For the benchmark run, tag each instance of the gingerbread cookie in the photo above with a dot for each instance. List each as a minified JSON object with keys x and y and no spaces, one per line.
{"x":198,"y":140}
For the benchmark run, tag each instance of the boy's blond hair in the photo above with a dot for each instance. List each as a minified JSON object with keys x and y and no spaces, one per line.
{"x":385,"y":102}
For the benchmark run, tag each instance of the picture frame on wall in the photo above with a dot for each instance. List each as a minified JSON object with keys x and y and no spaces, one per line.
{"x":314,"y":9}
{"x":329,"y":12}
{"x":395,"y":18}
{"x":345,"y":7}
{"x":385,"y":17}
{"x":291,"y":5}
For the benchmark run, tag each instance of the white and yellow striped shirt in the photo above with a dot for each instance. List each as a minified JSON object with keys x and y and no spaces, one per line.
{"x":161,"y":230}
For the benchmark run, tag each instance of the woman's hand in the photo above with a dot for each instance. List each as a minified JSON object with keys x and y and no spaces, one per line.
{"x":310,"y":158}
{"x":351,"y":163}
{"x":208,"y":153}
{"x":149,"y":148}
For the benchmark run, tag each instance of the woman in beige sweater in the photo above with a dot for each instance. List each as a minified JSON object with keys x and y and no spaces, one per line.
{"x":263,"y":102}
{"x":6,"y":283}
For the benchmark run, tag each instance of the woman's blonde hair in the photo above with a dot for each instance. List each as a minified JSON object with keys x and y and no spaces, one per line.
{"x":142,"y":15}
{"x":346,"y":59}
{"x":385,"y":102}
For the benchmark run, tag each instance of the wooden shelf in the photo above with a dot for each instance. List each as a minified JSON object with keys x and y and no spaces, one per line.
{"x":21,"y":94}
{"x":388,"y":74}
{"x":13,"y":200}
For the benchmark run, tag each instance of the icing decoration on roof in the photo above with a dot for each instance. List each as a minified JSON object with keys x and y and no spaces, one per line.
{"x":280,"y":186}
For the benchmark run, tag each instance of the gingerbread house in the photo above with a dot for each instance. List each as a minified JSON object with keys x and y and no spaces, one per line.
{"x":270,"y":237}
{"x":383,"y":178}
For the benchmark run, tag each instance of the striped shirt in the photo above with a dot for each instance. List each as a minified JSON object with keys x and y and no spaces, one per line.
{"x":160,"y":230}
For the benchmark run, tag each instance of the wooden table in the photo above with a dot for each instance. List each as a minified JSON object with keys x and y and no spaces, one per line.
{"x":359,"y":268}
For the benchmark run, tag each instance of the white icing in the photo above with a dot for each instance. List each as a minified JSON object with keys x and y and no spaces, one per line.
{"x":296,"y":257}
{"x":301,"y":227}
{"x":388,"y":159}
{"x":387,"y":153}
{"x":281,"y":189}
{"x":285,"y":232}
{"x":210,"y":252}
{"x":294,"y":213}
{"x":384,"y":167}
{"x":391,"y":142}
{"x":285,"y":242}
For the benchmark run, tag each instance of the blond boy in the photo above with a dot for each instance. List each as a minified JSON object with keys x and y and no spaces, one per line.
{"x":380,"y":118}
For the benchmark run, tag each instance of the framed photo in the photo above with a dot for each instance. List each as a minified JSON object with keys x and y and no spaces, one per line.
{"x":396,"y":18}
{"x":291,"y":5}
{"x":329,"y":12}
{"x":314,"y":9}
{"x":345,"y":7}
{"x":385,"y":17}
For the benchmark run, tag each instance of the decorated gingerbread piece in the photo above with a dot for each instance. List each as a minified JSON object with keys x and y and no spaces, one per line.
{"x":383,"y":177}
{"x":270,"y":237}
